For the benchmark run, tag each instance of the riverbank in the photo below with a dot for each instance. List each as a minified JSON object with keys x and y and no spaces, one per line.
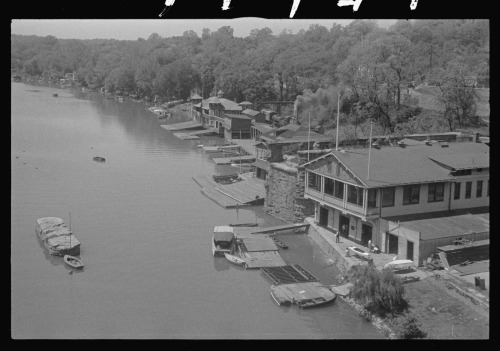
{"x":443,"y":305}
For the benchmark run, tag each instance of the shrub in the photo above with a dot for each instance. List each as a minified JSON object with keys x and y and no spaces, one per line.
{"x":381,"y":292}
{"x":408,"y":327}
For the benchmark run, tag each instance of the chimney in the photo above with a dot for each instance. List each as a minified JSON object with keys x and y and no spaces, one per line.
{"x":476,"y":138}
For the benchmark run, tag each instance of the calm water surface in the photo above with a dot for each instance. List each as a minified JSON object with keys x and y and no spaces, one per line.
{"x":145,"y":230}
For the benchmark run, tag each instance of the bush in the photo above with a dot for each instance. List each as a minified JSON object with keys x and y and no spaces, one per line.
{"x":381,"y":292}
{"x":408,"y":327}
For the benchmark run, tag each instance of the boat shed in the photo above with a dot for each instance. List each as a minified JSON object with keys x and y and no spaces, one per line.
{"x":417,"y":237}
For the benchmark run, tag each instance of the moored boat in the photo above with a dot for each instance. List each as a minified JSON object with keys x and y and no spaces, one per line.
{"x":222,"y":240}
{"x":235,"y":259}
{"x":99,"y":159}
{"x":73,"y":261}
{"x":56,"y":237}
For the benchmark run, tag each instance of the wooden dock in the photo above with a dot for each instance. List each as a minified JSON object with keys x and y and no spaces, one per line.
{"x":182,"y":126}
{"x":242,"y":193}
{"x":193,"y":135}
{"x":233,"y":159}
{"x":305,"y":295}
{"x":256,"y":259}
{"x":288,"y":275}
{"x":279,"y":228}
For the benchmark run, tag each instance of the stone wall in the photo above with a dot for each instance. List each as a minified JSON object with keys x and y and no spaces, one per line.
{"x":285,"y":193}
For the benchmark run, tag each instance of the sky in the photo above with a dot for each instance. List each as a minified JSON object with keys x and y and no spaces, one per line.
{"x":139,"y":28}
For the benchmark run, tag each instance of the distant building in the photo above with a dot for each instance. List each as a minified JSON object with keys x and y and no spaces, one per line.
{"x":210,"y":112}
{"x":237,"y":126}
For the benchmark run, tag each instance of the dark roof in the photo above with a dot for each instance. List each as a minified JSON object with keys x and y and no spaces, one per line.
{"x":232,"y":115}
{"x":391,"y":166}
{"x":463,"y":161}
{"x":444,"y":227}
{"x":223,"y":236}
{"x":251,"y":112}
{"x":227,"y":104}
{"x":263,"y":127}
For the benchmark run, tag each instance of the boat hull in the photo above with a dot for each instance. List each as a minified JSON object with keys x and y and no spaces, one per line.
{"x":73,"y":261}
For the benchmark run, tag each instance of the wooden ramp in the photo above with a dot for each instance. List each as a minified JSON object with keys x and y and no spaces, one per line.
{"x":182,"y":126}
{"x":233,"y":159}
{"x":261,"y":259}
{"x":281,"y":228}
{"x":288,"y":275}
{"x":250,"y":191}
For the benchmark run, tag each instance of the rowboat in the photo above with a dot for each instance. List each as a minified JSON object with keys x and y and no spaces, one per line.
{"x":356,"y":251}
{"x":280,"y":243}
{"x":398,"y":265}
{"x":99,"y":159}
{"x":73,"y":261}
{"x":235,"y":259}
{"x":316,"y":302}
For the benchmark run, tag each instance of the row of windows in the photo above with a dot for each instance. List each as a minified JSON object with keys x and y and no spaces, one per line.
{"x":411,"y":193}
{"x":468,"y":189}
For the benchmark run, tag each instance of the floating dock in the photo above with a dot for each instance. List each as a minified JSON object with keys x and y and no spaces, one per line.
{"x":305,"y":295}
{"x":193,"y":135}
{"x":182,"y":126}
{"x":250,"y":191}
{"x":258,"y":251}
{"x":288,"y":275}
{"x":233,"y":159}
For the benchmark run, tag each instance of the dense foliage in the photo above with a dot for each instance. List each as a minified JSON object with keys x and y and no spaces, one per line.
{"x":381,"y":292}
{"x":407,"y":326}
{"x":374,"y":67}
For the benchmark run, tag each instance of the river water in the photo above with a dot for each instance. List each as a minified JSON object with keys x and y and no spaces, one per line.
{"x":145,"y":231}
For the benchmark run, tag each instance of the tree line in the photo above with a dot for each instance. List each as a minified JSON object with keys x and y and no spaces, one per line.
{"x":373,"y":68}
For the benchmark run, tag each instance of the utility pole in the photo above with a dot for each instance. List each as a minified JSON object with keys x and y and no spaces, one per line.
{"x":338,"y":119}
{"x":369,"y":150}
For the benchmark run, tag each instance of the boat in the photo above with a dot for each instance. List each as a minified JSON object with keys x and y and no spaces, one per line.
{"x":304,"y":295}
{"x":222,"y":241}
{"x":356,"y":251}
{"x":316,"y":302}
{"x":55,"y":95}
{"x":280,"y":243}
{"x":235,"y":259}
{"x":56,"y":237}
{"x":399,"y":265}
{"x":99,"y":159}
{"x":73,"y":261}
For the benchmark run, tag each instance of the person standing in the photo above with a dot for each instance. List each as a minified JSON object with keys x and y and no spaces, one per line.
{"x":369,"y":245}
{"x":337,"y":237}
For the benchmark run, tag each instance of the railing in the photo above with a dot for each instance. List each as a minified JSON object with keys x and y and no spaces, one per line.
{"x":340,"y":204}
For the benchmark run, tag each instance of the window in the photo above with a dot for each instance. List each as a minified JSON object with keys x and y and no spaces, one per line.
{"x":339,"y":190}
{"x":479,"y":188}
{"x":462,"y":172}
{"x":372,"y":198}
{"x":436,"y":192}
{"x":329,"y":186}
{"x":468,"y":189}
{"x":457,"y":191}
{"x":314,"y":181}
{"x":355,"y":195}
{"x":388,"y":196}
{"x":411,"y":194}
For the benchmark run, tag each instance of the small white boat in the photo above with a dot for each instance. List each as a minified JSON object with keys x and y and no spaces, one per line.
{"x":235,"y":259}
{"x":400,"y":265}
{"x":356,"y":251}
{"x":73,"y":261}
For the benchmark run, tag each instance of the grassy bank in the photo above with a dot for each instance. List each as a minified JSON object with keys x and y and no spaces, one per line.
{"x":442,"y":315}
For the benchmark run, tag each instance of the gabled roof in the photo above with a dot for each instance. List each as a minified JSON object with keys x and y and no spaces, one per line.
{"x":232,"y":115}
{"x":251,"y":112}
{"x":227,"y":104}
{"x":391,"y":166}
{"x":196,"y":97}
{"x":463,"y":161}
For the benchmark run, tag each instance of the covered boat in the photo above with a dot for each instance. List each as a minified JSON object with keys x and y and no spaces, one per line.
{"x":222,"y":240}
{"x":398,"y":265}
{"x":56,"y":237}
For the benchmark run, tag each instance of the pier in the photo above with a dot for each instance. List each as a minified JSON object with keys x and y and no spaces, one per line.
{"x":182,"y":126}
{"x":233,"y":159}
{"x":194,"y":134}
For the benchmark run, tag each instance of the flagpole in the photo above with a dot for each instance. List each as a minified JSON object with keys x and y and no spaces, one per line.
{"x":338,"y":118}
{"x":369,"y":150}
{"x":309,"y":137}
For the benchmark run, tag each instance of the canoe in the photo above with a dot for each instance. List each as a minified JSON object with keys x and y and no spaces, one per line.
{"x":72,"y":261}
{"x":235,"y":259}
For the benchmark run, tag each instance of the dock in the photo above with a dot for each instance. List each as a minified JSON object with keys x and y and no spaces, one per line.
{"x":305,"y":295}
{"x":182,"y":126}
{"x":250,"y":191}
{"x":193,"y":135}
{"x":233,"y":159}
{"x":258,"y":251}
{"x":278,"y":228}
{"x":288,"y":275}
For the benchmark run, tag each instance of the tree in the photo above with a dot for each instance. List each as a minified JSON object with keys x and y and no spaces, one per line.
{"x":381,"y":292}
{"x":408,"y":326}
{"x":458,"y":95}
